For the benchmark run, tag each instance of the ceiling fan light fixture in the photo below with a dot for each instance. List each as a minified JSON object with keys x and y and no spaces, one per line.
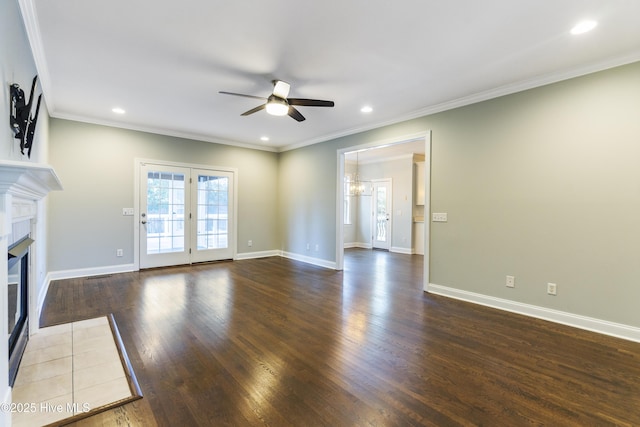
{"x":277,"y":106}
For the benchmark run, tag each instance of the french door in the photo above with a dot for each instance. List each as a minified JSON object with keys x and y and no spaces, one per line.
{"x":186,"y":215}
{"x":381,"y":214}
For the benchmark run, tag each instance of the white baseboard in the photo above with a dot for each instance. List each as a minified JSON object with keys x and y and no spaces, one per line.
{"x":360,"y":245}
{"x":81,"y":272}
{"x":605,"y":327}
{"x":261,"y":254}
{"x":310,"y":260}
{"x":399,"y":250}
{"x":88,"y":272}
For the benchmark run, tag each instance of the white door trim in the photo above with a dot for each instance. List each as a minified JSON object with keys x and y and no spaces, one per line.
{"x":137,"y":162}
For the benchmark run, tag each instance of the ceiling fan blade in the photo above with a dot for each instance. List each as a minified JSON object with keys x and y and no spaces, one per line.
{"x":310,"y":102}
{"x":295,"y":114}
{"x":242,"y":94}
{"x":254,"y":110}
{"x":281,"y":89}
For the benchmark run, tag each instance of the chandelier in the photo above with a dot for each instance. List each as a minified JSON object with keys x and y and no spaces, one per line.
{"x":357,"y":187}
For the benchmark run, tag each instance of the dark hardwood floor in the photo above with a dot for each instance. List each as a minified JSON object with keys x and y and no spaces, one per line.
{"x":278,"y":342}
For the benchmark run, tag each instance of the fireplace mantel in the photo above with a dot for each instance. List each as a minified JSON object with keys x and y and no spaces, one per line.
{"x":22,"y":186}
{"x":26,"y":180}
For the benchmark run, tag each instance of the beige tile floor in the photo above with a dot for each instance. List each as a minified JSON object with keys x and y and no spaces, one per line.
{"x":67,"y":370}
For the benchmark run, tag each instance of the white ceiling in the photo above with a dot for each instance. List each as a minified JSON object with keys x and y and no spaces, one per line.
{"x":165,"y":61}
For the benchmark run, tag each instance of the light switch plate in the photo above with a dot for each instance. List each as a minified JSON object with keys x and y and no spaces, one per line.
{"x":127,"y":211}
{"x":439,"y":217}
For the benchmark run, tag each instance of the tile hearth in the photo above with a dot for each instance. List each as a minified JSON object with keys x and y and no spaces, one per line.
{"x":68,"y":370}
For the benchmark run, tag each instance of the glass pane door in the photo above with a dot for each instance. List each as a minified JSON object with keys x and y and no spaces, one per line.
{"x":186,"y":215}
{"x":213,"y":193}
{"x":381,"y":214}
{"x":164,"y":228}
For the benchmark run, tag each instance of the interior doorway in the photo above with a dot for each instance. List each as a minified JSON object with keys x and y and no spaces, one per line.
{"x":342,"y":205}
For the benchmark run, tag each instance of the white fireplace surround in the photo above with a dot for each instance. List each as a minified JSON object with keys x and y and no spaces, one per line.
{"x":23,"y":185}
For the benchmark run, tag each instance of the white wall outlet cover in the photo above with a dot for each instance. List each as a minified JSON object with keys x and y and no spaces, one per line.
{"x":511,"y":282}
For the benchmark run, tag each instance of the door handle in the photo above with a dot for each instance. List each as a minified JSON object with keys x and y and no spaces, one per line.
{"x":144,"y":222}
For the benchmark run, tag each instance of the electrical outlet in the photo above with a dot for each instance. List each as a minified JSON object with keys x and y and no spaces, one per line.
{"x":317,"y":247}
{"x":552,"y":288}
{"x":250,"y":243}
{"x":308,"y":246}
{"x":511,"y":282}
{"x":118,"y":252}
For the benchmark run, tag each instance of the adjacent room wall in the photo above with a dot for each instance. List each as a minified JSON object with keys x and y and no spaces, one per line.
{"x":543,"y":185}
{"x":400,"y":170}
{"x":96,"y":166}
{"x":307,"y":208}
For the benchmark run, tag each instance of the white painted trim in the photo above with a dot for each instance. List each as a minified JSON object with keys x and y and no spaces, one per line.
{"x":127,"y":268}
{"x":360,"y":245}
{"x":426,"y":276}
{"x":399,"y":250}
{"x":605,"y":327}
{"x":30,"y":18}
{"x":161,"y":131}
{"x":5,"y":416}
{"x":261,"y":254}
{"x":475,"y":98}
{"x":32,"y":27}
{"x":42,"y":295}
{"x":89,"y":272}
{"x":310,"y":260}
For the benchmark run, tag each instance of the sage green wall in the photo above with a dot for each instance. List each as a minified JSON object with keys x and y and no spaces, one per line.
{"x":307,"y":208}
{"x":96,"y":167}
{"x":543,"y":185}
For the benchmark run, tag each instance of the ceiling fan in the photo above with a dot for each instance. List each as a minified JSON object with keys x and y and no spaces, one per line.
{"x":279,"y":105}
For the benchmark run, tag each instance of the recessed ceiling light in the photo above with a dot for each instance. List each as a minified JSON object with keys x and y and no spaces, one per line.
{"x":366,"y":109}
{"x":583,"y":27}
{"x":118,"y":110}
{"x":264,"y":138}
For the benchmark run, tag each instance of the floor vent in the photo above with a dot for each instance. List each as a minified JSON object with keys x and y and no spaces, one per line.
{"x":104,"y":276}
